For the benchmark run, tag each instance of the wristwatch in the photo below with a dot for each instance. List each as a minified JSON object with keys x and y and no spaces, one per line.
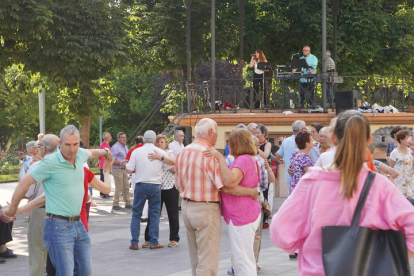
{"x":162,"y":158}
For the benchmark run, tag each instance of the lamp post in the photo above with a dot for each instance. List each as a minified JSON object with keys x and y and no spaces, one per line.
{"x":213,"y":56}
{"x":324,"y":74}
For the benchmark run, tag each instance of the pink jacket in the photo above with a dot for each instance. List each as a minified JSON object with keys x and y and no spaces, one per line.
{"x":316,"y":202}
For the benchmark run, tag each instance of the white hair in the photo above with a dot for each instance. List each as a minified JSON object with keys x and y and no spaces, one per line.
{"x":203,"y":126}
{"x":105,"y":134}
{"x":176,"y":132}
{"x":51,"y":142}
{"x":324,"y":129}
{"x":251,"y":126}
{"x":30,"y":145}
{"x":298,"y":125}
{"x":69,"y":130}
{"x":40,"y":134}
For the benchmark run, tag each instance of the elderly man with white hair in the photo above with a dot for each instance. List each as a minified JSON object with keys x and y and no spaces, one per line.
{"x":199,"y":180}
{"x":147,"y":186}
{"x":177,"y":145}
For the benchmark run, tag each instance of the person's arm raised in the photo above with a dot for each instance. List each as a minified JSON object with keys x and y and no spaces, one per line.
{"x":104,"y":187}
{"x":96,"y":153}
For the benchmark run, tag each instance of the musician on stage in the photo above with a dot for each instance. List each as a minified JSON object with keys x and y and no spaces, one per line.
{"x":308,"y":84}
{"x":258,"y":75}
{"x":330,"y":67}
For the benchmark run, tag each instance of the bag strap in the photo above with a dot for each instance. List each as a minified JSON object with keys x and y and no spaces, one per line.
{"x":362,"y":198}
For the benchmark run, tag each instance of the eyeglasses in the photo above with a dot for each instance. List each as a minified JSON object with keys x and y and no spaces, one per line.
{"x":41,"y":145}
{"x":123,"y":137}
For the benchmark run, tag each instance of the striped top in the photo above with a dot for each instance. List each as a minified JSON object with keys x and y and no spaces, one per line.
{"x":197,"y":176}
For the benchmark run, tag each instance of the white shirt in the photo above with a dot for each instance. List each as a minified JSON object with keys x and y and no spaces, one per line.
{"x":257,"y":71}
{"x":326,"y":158}
{"x":176,"y":147}
{"x":145,"y":170}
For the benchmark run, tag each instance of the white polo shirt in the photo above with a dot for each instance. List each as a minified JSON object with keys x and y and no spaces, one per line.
{"x":145,"y":170}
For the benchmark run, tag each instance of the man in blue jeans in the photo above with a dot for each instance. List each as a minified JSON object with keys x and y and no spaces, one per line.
{"x":62,"y":176}
{"x":147,"y":186}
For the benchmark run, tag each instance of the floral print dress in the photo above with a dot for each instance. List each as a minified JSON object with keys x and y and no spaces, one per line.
{"x":298,"y":162}
{"x":404,"y":165}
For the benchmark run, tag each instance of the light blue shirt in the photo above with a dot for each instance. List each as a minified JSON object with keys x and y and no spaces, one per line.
{"x":119,"y":153}
{"x":314,"y":153}
{"x":312,"y":62}
{"x":286,"y":149}
{"x":62,"y":182}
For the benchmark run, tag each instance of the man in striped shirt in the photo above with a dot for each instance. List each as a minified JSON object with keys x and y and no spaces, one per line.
{"x":198,"y":178}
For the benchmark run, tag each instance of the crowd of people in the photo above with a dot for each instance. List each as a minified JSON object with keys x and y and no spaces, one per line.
{"x":325,"y":168}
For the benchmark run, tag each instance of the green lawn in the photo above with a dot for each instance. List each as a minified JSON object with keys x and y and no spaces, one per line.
{"x":14,"y":177}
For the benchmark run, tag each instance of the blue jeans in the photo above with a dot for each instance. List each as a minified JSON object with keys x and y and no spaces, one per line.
{"x":143,"y":192}
{"x":69,"y":247}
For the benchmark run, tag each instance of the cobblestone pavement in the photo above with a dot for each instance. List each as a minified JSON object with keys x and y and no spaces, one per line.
{"x":110,"y":237}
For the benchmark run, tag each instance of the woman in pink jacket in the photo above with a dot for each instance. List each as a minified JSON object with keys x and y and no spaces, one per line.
{"x":328,"y":197}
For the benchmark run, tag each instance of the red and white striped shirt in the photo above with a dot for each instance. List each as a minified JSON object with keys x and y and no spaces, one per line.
{"x":197,"y":176}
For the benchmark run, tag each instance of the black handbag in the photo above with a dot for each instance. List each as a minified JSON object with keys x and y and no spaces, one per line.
{"x":361,"y":251}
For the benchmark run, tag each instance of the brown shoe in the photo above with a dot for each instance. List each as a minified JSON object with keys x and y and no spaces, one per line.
{"x":134,"y":247}
{"x":156,"y":246}
{"x":173,"y":244}
{"x":146,"y":244}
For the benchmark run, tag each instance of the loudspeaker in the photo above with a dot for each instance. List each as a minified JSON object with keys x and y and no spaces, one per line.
{"x":345,"y":100}
{"x":188,"y":132}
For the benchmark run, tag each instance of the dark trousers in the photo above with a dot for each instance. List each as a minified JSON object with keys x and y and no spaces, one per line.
{"x":257,"y":84}
{"x":307,"y":87}
{"x":5,"y":232}
{"x":170,"y":198}
{"x":102,"y":178}
{"x":266,"y":196}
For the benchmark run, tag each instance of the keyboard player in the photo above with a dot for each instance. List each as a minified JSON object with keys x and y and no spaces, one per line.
{"x":308,"y":84}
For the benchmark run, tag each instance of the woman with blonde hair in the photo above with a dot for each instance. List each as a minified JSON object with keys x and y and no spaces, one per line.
{"x":328,"y":197}
{"x":241,"y":213}
{"x":169,"y":193}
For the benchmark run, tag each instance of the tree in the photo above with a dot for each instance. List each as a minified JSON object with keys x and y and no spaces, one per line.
{"x":18,"y":105}
{"x":72,"y":43}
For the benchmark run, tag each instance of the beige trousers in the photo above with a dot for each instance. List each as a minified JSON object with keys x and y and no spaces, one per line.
{"x":37,"y":251}
{"x":121,"y":186}
{"x":203,"y":223}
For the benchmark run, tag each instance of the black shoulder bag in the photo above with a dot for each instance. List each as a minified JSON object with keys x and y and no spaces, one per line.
{"x":361,"y":251}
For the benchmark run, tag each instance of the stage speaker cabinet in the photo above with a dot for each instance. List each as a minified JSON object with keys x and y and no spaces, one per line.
{"x":345,"y":100}
{"x":188,"y":134}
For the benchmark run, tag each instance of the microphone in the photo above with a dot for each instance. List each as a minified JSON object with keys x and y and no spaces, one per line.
{"x":294,"y":54}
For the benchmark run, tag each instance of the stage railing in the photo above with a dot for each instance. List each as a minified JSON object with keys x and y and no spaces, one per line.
{"x":283,"y":93}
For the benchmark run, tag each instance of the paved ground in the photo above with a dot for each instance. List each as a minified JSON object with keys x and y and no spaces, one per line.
{"x":111,"y":238}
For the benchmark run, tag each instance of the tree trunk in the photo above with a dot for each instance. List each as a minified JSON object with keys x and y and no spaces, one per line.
{"x":241,"y":29}
{"x":85,"y":130}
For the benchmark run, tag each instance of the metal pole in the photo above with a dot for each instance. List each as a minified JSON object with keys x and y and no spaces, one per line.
{"x":42,"y":111}
{"x":100,"y":130}
{"x":324,"y":75}
{"x":213,"y":56}
{"x":188,"y":42}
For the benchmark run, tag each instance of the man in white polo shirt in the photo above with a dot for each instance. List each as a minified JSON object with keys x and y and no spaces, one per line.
{"x":62,"y":176}
{"x":147,"y":186}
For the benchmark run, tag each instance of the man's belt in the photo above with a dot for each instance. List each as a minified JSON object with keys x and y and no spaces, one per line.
{"x":140,"y":183}
{"x":201,"y":201}
{"x":52,"y":216}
